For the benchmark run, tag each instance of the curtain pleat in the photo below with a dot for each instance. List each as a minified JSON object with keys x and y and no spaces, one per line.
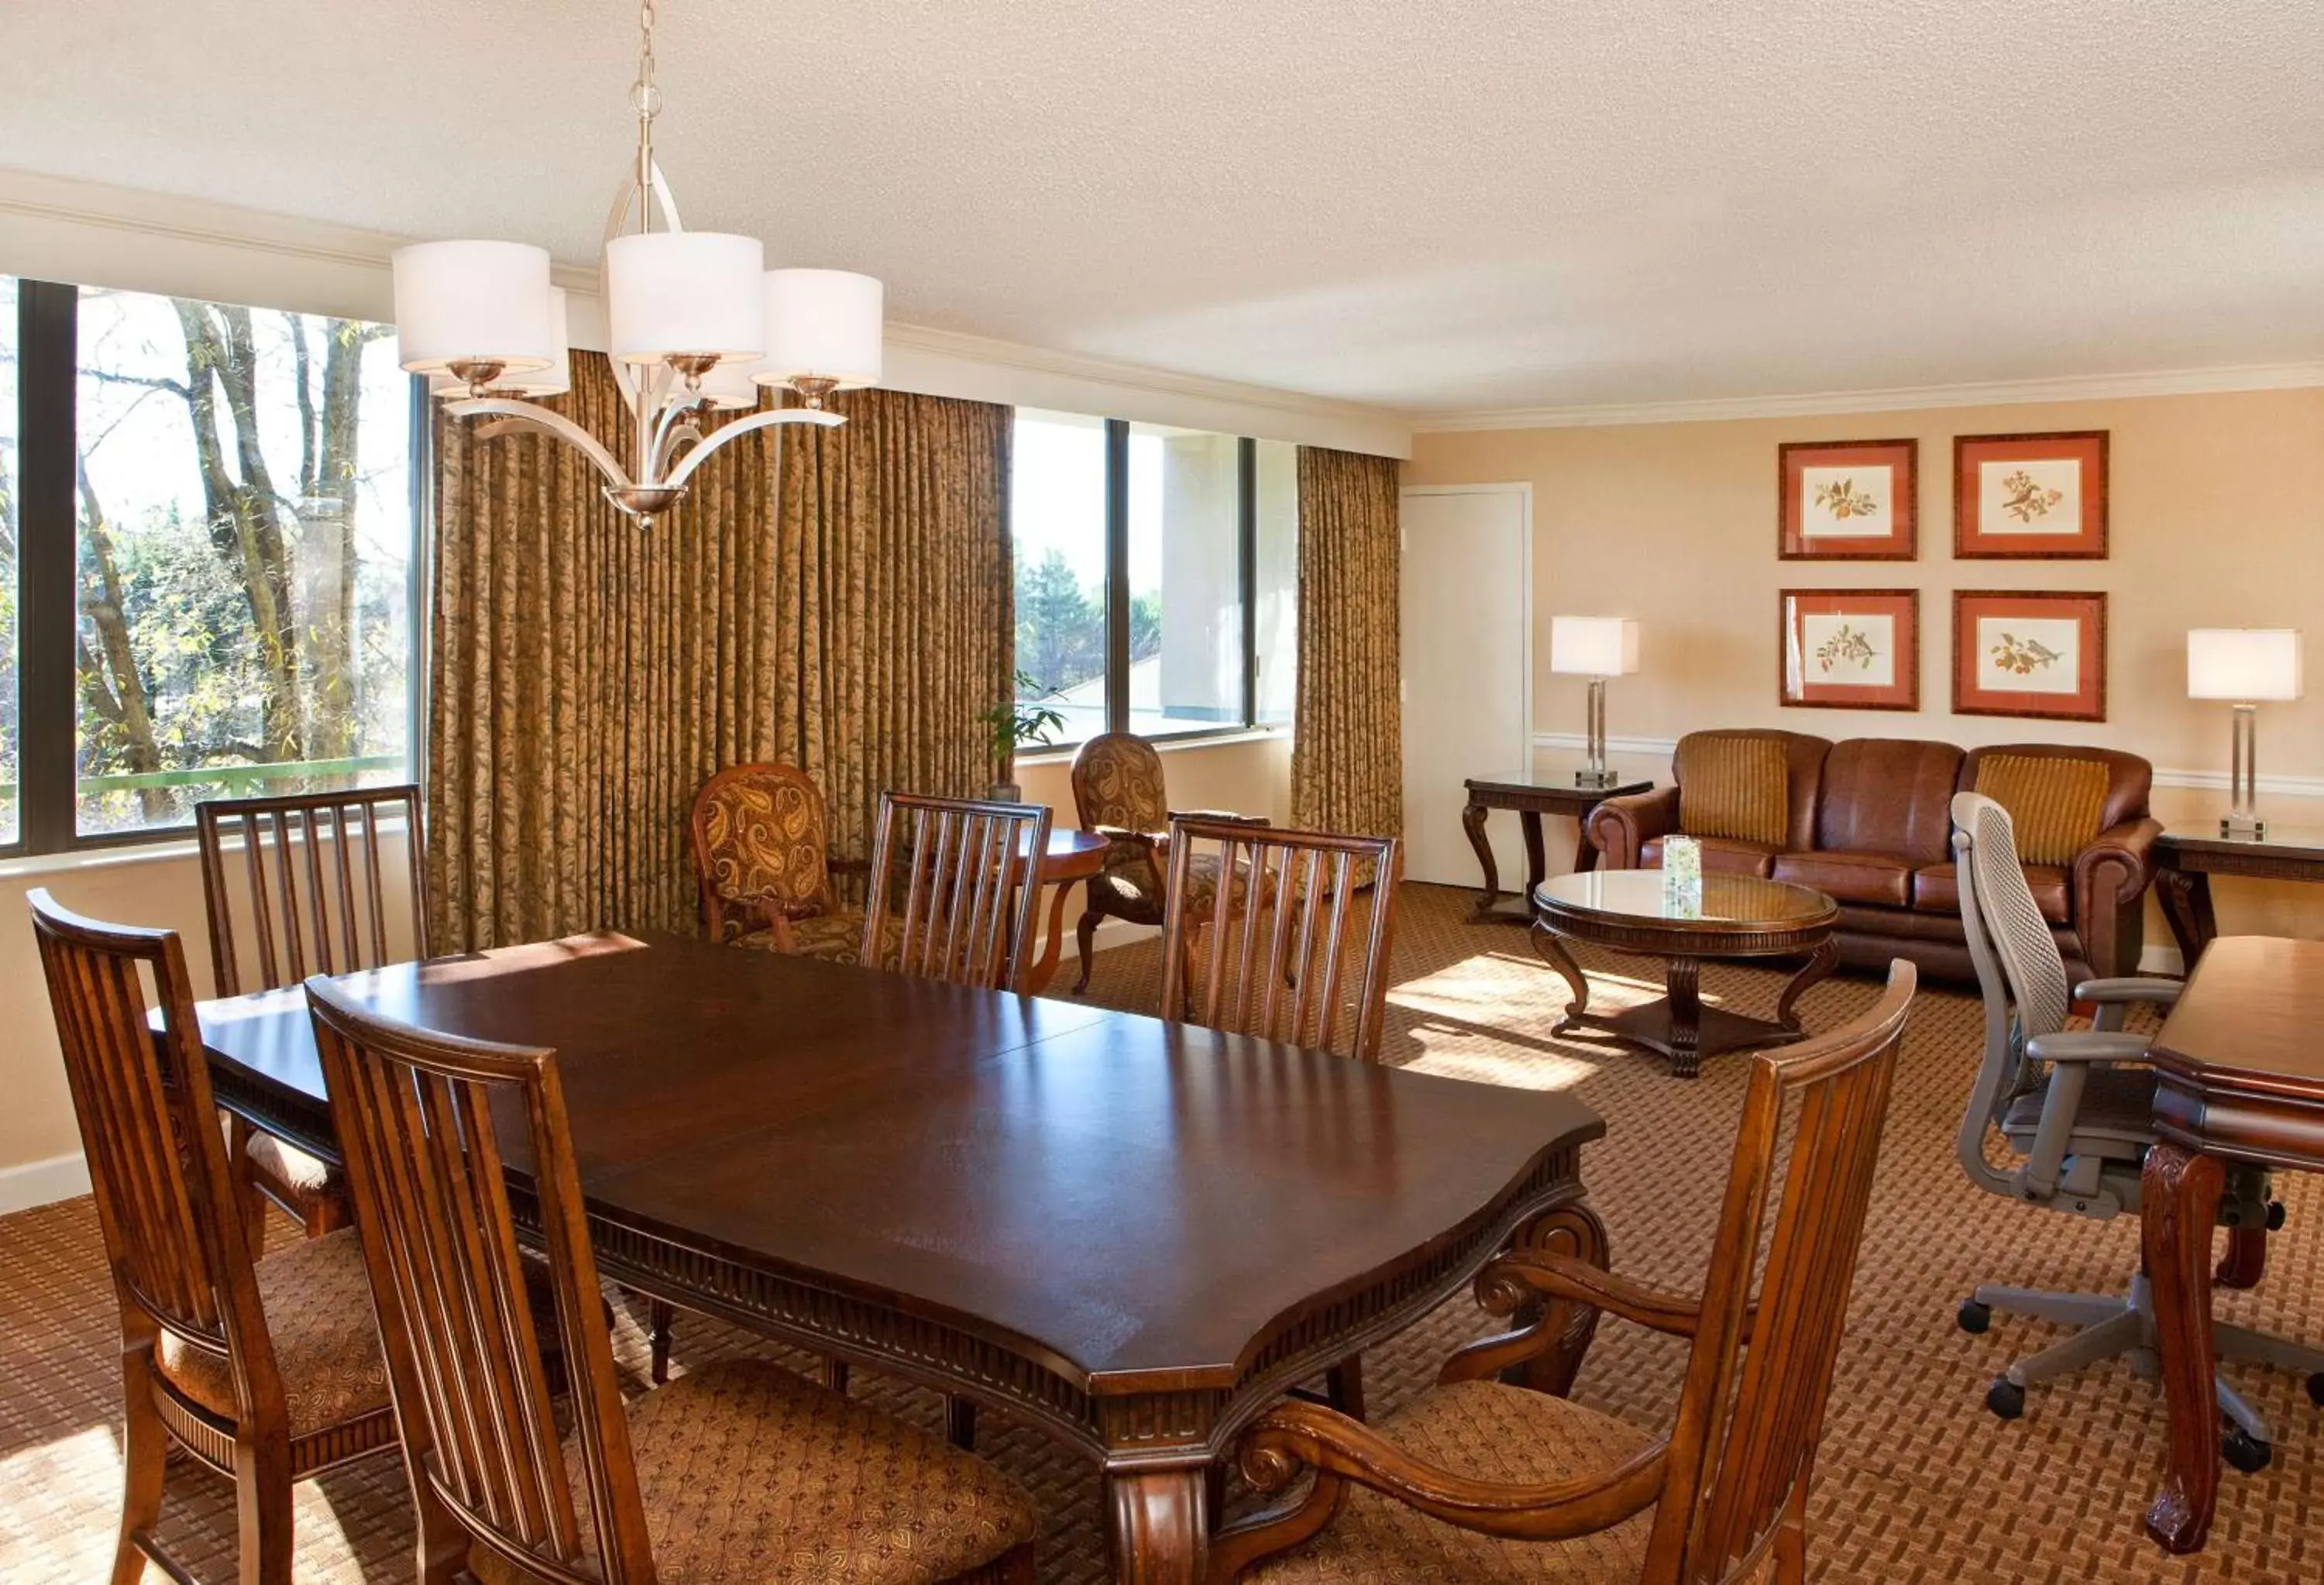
{"x":1347,"y":753}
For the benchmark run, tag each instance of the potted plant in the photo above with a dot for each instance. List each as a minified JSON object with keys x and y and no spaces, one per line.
{"x":1013,"y":724}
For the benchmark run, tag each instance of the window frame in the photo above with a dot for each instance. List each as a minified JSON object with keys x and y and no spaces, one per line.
{"x":48,"y":584}
{"x":1118,"y":599}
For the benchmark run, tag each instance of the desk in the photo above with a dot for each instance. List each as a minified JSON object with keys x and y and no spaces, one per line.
{"x":2186,"y":855}
{"x":1132,"y":1234}
{"x":2239,"y":1076}
{"x":1531,"y":794}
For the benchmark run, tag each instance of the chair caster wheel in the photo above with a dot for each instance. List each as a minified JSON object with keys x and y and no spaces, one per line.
{"x":2245,"y":1452}
{"x":2005,"y":1398}
{"x":2316,"y":1389}
{"x":1973,"y":1316}
{"x":2275,"y":1216}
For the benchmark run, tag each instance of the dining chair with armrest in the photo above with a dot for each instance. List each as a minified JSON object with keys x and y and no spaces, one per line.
{"x":2075,"y":1108}
{"x":738,"y":1469}
{"x":266,"y":1371}
{"x":1480,"y":1481}
{"x":306,"y":881}
{"x":760,"y":838}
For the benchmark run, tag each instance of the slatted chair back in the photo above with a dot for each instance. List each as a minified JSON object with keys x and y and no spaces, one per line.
{"x":157,"y":1163}
{"x":1751,"y":1410}
{"x":311,"y":872}
{"x":955,"y":888}
{"x":761,"y":836}
{"x":1275,"y":933}
{"x":416,"y":1111}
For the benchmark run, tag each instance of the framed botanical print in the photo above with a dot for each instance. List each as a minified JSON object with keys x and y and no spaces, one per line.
{"x":1848,"y":500}
{"x":1852,"y":648}
{"x":2030,"y":495}
{"x":2040,"y":653}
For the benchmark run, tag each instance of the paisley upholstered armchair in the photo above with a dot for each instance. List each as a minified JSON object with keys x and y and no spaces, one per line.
{"x":761,"y":862}
{"x":1117,"y":793}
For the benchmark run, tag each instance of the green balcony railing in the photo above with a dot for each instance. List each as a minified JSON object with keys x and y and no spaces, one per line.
{"x":230,"y":779}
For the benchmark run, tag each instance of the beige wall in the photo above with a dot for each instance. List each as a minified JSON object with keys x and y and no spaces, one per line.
{"x":1249,"y":775}
{"x":2217,"y":505}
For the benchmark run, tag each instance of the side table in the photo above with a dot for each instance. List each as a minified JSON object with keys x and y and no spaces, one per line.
{"x":2186,"y":855}
{"x":1531,"y":794}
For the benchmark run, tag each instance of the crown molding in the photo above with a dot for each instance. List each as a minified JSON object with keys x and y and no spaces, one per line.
{"x":1991,"y":394}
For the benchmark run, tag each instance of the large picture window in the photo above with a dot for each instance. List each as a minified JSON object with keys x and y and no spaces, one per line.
{"x":213,"y":558}
{"x":1153,"y":575}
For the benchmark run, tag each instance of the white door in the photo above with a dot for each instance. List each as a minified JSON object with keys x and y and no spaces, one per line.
{"x":1468,"y":670}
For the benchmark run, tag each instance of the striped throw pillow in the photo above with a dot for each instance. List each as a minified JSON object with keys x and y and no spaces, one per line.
{"x":1734,"y":787}
{"x":2055,"y":805}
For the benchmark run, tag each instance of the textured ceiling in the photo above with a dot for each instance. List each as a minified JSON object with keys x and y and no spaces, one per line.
{"x":1450,"y":205}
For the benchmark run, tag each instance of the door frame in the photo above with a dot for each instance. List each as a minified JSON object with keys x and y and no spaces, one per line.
{"x":1523,"y":491}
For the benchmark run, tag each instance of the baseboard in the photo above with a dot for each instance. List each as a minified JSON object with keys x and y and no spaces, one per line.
{"x":42,"y":1183}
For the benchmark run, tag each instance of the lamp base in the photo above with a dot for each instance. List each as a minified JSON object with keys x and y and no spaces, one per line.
{"x":1595,"y":779}
{"x":2243,"y":828}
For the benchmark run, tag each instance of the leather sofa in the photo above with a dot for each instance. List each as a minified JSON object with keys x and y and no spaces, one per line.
{"x":1869,"y":825}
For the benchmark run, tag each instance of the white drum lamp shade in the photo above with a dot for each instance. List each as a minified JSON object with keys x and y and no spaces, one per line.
{"x":822,"y":325}
{"x":730,"y":388}
{"x":484,"y":302}
{"x":686,"y":294}
{"x":2247,"y":665}
{"x":1593,"y":646}
{"x":555,"y":380}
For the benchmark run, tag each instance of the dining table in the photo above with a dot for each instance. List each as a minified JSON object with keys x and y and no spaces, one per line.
{"x":1133,"y":1235}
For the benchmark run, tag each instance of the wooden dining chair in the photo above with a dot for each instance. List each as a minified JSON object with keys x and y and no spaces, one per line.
{"x":1480,"y":1481}
{"x":950,"y":898}
{"x":738,"y":1469}
{"x":761,"y":836}
{"x":304,"y":881}
{"x":268,"y":1372}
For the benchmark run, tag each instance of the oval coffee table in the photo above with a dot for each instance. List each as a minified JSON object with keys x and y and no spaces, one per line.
{"x":1740,"y":916}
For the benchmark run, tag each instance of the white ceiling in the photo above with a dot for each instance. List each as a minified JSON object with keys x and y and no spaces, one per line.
{"x":1434,"y":205}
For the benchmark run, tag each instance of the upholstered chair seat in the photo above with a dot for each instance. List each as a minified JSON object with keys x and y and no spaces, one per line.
{"x":317,"y":1303}
{"x":836,"y":937}
{"x":760,"y":838}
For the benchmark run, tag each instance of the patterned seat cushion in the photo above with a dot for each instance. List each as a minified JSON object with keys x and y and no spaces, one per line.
{"x":836,"y":937}
{"x":1130,"y":884}
{"x":297,"y":1172}
{"x":752,"y":1474}
{"x":318,"y":1302}
{"x":1487,"y":1431}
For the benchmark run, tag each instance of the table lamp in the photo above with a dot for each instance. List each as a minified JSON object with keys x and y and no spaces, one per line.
{"x":1597,"y":648}
{"x":2248,"y":665}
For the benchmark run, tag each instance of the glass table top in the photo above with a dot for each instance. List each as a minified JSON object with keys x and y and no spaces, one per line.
{"x":2205,"y":834}
{"x":1635,"y":771}
{"x":1727,"y":899}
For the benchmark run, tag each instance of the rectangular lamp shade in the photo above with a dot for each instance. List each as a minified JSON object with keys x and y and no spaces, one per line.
{"x":2248,"y":665}
{"x":1593,"y":646}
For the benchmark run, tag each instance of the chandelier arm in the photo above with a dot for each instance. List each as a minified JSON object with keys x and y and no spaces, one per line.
{"x":508,"y":410}
{"x":725,"y":432}
{"x":680,"y":413}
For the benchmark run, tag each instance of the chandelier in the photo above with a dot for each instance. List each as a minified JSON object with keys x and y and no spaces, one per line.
{"x":697,"y":322}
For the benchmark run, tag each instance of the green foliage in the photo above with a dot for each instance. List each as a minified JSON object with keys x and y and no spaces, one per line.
{"x":1061,"y":627}
{"x":1014,"y":723}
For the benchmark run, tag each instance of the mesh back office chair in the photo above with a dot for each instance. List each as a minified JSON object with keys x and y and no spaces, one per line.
{"x":2075,"y":1108}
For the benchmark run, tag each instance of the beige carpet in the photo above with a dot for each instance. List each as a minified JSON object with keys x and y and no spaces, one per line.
{"x":1916,"y":1481}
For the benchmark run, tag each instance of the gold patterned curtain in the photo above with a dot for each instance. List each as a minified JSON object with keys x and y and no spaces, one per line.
{"x":894,"y":619}
{"x":1347,"y":750}
{"x":586,"y":676}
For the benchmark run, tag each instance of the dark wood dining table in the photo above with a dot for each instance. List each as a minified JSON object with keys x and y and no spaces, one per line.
{"x":1132,"y":1234}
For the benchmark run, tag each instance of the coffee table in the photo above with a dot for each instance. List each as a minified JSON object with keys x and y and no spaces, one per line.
{"x":1739,"y":917}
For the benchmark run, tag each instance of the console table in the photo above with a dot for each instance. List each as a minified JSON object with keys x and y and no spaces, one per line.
{"x":2186,"y":857}
{"x":1549,"y":790}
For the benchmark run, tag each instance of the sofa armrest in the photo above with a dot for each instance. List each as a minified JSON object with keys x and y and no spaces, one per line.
{"x":1618,"y":828}
{"x":2116,"y":868}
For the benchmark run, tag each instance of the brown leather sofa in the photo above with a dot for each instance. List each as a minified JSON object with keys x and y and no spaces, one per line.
{"x":1870,"y":827}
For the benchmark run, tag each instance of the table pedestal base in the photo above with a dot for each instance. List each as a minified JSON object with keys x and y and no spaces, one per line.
{"x":1678,"y":1026}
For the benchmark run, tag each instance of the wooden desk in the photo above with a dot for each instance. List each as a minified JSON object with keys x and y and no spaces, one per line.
{"x":1134,"y":1235}
{"x":2239,"y":1076}
{"x":1532,"y":795}
{"x":2186,"y":857}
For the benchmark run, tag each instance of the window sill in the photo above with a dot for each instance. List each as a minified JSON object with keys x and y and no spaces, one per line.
{"x":99,"y":858}
{"x":1167,"y":745}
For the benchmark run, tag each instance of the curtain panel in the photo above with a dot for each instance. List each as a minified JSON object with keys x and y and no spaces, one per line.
{"x":1347,"y":750}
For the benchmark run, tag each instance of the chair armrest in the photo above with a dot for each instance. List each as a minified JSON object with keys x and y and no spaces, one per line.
{"x":1224,"y":816}
{"x":848,"y":866}
{"x":2116,"y":867}
{"x":2135,"y":989}
{"x":1150,"y":840}
{"x":2088,"y":1046}
{"x":1618,"y":828}
{"x":1505,"y":1284}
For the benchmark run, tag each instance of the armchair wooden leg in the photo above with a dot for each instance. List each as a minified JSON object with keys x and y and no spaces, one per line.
{"x":959,"y":1423}
{"x":262,"y":1499}
{"x":145,"y":1457}
{"x":834,"y":1375}
{"x":247,"y":1197}
{"x":1085,"y":944}
{"x":659,"y":1317}
{"x":1345,"y":1385}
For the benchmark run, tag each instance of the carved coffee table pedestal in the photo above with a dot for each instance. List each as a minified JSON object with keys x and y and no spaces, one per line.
{"x":1740,"y":916}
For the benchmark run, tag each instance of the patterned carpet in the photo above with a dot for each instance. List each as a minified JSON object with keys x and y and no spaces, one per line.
{"x":1917,"y":1482}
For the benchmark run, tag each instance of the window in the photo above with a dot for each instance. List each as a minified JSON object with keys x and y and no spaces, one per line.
{"x":10,"y":472}
{"x":216,"y":530}
{"x":1154,"y":574}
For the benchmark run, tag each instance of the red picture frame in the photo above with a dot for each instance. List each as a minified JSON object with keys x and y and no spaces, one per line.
{"x":1849,"y":648}
{"x":2040,"y":653}
{"x":2019,"y":497}
{"x":1826,"y":487}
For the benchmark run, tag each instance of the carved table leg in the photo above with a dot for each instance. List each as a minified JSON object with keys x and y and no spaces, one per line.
{"x":2180,"y":1202}
{"x":2246,"y":1261}
{"x":1472,"y":820}
{"x":1574,"y":1230}
{"x":1159,"y":1524}
{"x":2186,"y":898}
{"x":1814,"y":971}
{"x":1045,"y":969}
{"x":1552,"y":951}
{"x":1684,"y":979}
{"x":1537,"y":857}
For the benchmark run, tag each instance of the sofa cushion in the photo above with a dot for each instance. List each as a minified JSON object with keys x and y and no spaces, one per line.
{"x":1936,"y":891}
{"x":1888,"y":795}
{"x":1733,"y":786}
{"x":1885,"y":879}
{"x":2054,"y":805}
{"x":1722,"y":855}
